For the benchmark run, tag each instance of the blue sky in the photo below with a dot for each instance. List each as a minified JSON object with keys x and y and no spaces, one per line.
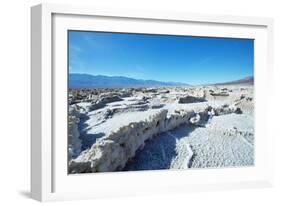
{"x":186,"y":59}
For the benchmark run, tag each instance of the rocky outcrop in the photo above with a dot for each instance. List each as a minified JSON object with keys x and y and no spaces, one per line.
{"x":190,"y":99}
{"x":227,"y":109}
{"x":222,"y":93}
{"x":103,"y":101}
{"x":110,"y":98}
{"x":193,"y":96}
{"x":156,"y":105}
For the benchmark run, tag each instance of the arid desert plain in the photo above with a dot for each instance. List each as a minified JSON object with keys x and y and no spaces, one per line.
{"x":184,"y":127}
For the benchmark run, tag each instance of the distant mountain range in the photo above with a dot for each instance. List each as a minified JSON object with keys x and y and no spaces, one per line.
{"x":77,"y":80}
{"x":99,"y":81}
{"x":245,"y":81}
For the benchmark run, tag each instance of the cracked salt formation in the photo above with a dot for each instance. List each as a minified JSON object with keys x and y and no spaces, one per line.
{"x":161,"y":128}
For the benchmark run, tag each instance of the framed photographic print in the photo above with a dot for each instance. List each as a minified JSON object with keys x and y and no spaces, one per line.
{"x":136,"y":102}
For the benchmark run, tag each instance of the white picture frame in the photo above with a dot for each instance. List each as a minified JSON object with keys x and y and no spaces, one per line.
{"x":49,"y":179}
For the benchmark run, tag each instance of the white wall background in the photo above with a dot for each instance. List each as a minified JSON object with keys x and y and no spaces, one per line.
{"x":15,"y":95}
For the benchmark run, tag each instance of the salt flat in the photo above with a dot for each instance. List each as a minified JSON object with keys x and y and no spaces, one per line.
{"x":161,"y":128}
{"x":216,"y":145}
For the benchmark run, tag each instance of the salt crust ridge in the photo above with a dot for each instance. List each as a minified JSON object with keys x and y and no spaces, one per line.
{"x":112,"y":152}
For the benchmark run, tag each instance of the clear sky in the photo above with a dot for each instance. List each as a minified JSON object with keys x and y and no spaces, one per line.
{"x":186,"y":59}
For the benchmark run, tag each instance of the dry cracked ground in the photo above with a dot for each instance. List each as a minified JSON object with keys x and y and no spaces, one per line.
{"x":160,"y":128}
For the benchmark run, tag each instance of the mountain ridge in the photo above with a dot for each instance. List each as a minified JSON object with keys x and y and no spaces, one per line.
{"x":248,"y":80}
{"x":78,"y":80}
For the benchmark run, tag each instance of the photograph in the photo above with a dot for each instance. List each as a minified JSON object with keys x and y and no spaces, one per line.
{"x":139,"y":102}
